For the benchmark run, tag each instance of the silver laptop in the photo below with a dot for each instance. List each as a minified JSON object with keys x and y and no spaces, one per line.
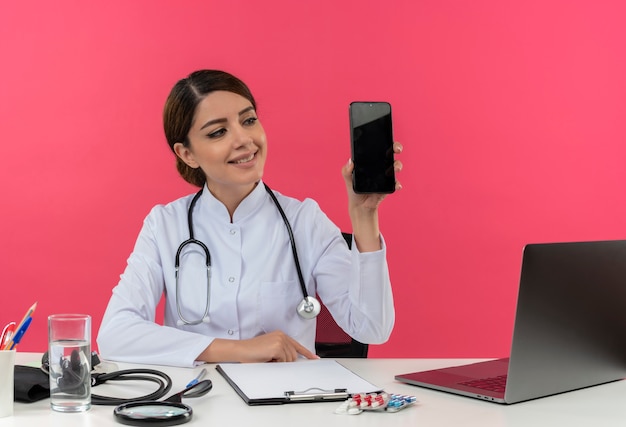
{"x":569,"y":333}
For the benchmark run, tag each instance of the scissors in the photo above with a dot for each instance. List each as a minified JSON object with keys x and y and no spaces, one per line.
{"x":7,"y":334}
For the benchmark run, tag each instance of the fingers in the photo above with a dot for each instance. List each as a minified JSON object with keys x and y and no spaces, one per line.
{"x":285,"y":354}
{"x":302,"y":350}
{"x":346,"y":169}
{"x":346,"y":172}
{"x":291,"y":354}
{"x":397,"y":167}
{"x":275,"y":346}
{"x":397,"y":164}
{"x":292,"y":350}
{"x":372,"y":200}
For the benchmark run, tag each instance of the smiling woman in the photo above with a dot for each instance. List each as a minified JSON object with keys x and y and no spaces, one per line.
{"x":246,"y":303}
{"x":179,"y":115}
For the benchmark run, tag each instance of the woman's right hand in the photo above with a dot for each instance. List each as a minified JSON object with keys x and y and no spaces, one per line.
{"x":274,"y":346}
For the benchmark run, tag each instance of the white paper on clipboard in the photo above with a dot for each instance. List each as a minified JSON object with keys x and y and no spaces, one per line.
{"x":269,"y":382}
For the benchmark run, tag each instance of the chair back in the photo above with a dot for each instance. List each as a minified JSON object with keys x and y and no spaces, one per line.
{"x":330,"y":339}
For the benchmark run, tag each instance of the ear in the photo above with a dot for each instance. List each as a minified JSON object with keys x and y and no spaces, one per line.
{"x":186,"y":155}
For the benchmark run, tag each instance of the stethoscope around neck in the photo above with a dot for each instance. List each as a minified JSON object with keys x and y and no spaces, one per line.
{"x":308,"y":308}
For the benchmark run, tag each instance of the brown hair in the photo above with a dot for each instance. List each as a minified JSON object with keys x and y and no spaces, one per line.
{"x":180,"y":109}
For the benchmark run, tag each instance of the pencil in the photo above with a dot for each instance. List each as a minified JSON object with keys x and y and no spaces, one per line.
{"x":20,"y":328}
{"x":28,"y":314}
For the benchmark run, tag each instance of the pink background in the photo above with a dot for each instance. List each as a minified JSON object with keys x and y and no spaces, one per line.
{"x":512,"y":115}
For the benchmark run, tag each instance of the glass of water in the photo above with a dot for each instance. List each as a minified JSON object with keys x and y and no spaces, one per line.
{"x":69,"y":355}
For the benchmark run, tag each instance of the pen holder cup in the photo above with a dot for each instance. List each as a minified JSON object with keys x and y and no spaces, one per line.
{"x":7,"y":367}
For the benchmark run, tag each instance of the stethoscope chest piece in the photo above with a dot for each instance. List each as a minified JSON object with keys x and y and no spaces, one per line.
{"x":309,"y":307}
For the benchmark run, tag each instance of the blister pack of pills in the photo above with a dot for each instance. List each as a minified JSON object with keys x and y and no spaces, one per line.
{"x":384,"y":402}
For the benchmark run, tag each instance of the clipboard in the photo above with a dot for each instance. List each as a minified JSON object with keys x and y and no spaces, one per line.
{"x":294,"y":382}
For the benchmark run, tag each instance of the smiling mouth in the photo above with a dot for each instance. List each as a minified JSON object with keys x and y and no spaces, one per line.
{"x":244,"y":160}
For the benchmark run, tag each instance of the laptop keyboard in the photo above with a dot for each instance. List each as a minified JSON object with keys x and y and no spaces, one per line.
{"x":496,"y":384}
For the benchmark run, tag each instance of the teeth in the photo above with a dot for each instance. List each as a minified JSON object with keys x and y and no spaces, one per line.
{"x":246,"y":159}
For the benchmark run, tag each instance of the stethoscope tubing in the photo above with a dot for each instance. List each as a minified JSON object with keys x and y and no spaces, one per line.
{"x":309,"y":307}
{"x":163,"y":381}
{"x":292,"y":240}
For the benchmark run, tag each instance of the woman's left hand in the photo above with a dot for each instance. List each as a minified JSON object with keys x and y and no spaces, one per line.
{"x":363,"y":208}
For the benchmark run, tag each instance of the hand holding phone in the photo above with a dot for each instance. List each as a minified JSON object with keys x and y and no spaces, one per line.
{"x":371,"y":140}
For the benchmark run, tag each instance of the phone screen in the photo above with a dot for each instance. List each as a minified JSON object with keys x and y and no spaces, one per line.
{"x":372,"y":147}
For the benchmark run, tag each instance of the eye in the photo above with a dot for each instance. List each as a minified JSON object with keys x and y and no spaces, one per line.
{"x":217,"y":133}
{"x":250,"y":121}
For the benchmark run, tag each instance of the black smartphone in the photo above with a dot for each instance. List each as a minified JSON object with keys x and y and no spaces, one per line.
{"x":371,"y":140}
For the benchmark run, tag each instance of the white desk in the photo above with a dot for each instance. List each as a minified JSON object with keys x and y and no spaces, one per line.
{"x":596,"y":406}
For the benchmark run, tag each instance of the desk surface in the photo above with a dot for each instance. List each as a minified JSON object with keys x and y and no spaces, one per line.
{"x":598,"y":406}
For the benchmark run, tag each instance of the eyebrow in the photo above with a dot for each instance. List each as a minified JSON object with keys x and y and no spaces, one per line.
{"x":212,"y":122}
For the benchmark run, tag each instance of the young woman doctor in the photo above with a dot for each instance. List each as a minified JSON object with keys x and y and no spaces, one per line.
{"x":236,"y":292}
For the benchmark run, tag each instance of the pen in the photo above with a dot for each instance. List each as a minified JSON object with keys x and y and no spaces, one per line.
{"x":18,"y":334}
{"x":197,"y":379}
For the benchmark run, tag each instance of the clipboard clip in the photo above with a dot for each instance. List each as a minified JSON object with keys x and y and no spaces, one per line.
{"x":315,"y":394}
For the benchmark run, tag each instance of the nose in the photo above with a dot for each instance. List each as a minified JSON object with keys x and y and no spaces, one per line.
{"x":241,"y":136}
